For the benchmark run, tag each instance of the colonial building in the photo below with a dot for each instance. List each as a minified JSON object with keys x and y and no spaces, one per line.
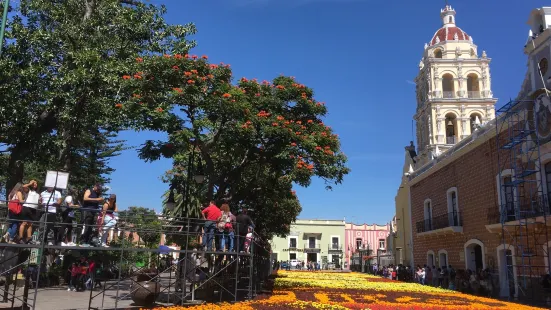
{"x":311,"y":240}
{"x":479,"y":186}
{"x":364,"y":237}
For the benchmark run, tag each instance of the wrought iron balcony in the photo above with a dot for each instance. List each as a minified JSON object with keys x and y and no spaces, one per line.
{"x":474,"y":94}
{"x":448,"y":94}
{"x":334,"y":247}
{"x":312,"y":247}
{"x":516,"y":210}
{"x":452,"y":219}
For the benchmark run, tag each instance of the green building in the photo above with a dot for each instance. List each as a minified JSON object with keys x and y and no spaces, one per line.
{"x":312,"y":240}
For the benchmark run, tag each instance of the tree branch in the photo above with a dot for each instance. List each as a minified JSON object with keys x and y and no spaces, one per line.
{"x":90,"y":4}
{"x":130,"y":2}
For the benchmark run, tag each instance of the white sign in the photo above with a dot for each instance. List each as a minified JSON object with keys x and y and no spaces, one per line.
{"x":57,"y":179}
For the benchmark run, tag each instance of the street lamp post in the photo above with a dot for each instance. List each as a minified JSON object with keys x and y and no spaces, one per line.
{"x":3,"y":26}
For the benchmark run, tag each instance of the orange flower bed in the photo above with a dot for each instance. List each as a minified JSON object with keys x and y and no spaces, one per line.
{"x":333,"y":290}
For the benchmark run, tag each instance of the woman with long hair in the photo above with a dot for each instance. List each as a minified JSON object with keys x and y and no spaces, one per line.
{"x":15,"y":196}
{"x":225,"y":228}
{"x":29,"y":214}
{"x":107,"y":219}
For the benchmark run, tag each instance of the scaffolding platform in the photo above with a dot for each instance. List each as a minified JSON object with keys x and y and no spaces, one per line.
{"x":524,"y":208}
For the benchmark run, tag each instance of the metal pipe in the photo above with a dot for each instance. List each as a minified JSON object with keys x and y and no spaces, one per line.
{"x":4,"y":21}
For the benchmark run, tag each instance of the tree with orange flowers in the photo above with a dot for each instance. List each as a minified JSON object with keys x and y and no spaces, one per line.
{"x":254,"y":139}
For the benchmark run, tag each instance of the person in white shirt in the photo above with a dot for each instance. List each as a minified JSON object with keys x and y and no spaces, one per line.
{"x":50,"y":199}
{"x":29,"y":212}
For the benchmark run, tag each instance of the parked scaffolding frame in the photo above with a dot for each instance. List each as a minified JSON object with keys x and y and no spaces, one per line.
{"x":524,"y":205}
{"x":197,"y":273}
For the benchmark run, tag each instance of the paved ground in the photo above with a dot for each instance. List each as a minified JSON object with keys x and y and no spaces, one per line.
{"x":57,"y":298}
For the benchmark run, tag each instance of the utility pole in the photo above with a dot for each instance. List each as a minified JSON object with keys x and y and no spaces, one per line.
{"x":3,"y":27}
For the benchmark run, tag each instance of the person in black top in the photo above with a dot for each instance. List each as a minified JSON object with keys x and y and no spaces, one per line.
{"x":93,"y":201}
{"x":243,"y":223}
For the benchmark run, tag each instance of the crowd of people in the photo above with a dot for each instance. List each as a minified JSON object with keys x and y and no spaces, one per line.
{"x":221,"y":227}
{"x":28,"y":209}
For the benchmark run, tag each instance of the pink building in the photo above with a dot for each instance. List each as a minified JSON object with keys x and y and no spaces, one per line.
{"x":361,"y":237}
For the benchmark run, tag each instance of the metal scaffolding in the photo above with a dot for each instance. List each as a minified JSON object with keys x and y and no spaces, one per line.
{"x":188,"y":274}
{"x":524,"y":205}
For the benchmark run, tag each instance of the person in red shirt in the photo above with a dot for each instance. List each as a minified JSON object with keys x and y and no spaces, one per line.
{"x":211,"y":215}
{"x":74,"y":270}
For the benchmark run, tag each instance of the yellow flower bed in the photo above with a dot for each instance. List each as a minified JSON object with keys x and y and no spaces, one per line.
{"x":340,"y":291}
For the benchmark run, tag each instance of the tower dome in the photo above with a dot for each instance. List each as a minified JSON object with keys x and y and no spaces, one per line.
{"x":449,"y":31}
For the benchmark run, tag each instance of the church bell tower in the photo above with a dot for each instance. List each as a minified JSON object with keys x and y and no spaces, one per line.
{"x":454,"y":94}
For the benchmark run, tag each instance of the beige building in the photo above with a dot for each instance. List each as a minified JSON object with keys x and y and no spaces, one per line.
{"x":453,"y":89}
{"x":402,"y":248}
{"x":311,"y":240}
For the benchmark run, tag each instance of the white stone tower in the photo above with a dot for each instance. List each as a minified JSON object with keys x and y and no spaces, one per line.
{"x":453,"y":88}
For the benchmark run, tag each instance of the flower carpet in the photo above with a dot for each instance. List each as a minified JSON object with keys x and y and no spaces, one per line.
{"x":332,"y":290}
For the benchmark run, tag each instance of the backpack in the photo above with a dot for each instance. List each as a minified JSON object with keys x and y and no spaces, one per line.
{"x":14,"y":205}
{"x":222,"y":223}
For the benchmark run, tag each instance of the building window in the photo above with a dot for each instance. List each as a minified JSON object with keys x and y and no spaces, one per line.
{"x":381,"y":244}
{"x":506,"y":198}
{"x":335,"y":243}
{"x":292,"y":256}
{"x":428,"y":215}
{"x":453,"y":208}
{"x":358,"y":243}
{"x":293,"y":243}
{"x":437,"y":53}
{"x":543,"y":66}
{"x":312,"y":242}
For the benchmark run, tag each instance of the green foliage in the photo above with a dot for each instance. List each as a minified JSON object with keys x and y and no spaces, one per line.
{"x":145,"y":222}
{"x":60,"y":74}
{"x":254,"y":139}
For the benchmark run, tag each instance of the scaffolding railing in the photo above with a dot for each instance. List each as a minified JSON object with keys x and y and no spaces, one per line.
{"x":524,"y":207}
{"x":174,"y":275}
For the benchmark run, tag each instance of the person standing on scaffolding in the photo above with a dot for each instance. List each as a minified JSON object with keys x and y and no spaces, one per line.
{"x":211,"y":214}
{"x":244,"y":221}
{"x":93,"y":201}
{"x":50,"y":199}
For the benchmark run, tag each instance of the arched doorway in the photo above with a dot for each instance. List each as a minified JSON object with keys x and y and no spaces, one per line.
{"x":443,"y":258}
{"x":474,"y":255}
{"x":508,"y":286}
{"x":430,"y":259}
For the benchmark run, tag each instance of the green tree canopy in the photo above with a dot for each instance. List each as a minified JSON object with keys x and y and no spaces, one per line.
{"x":60,"y":73}
{"x":145,"y":222}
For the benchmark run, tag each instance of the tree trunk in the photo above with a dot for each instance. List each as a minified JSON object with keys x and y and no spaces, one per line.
{"x":65,"y":153}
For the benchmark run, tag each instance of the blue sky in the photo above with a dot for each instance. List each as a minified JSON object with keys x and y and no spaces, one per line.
{"x":360,"y":57}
